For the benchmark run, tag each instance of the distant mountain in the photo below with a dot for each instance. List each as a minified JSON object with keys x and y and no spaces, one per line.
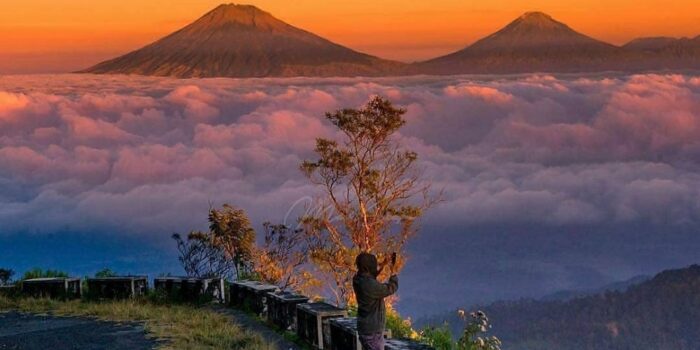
{"x":666,"y":53}
{"x":621,"y":286}
{"x":661,"y":313}
{"x":535,"y":42}
{"x":537,"y":32}
{"x":244,"y":41}
{"x":650,"y":44}
{"x":661,"y":44}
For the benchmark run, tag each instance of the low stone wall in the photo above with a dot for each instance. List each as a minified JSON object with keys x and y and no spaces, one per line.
{"x":313,"y":323}
{"x":320,"y":325}
{"x":191,"y":289}
{"x":117,"y":287}
{"x":282,"y":309}
{"x":54,"y":288}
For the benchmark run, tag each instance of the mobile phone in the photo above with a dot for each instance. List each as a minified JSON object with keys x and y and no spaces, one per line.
{"x":393,"y":258}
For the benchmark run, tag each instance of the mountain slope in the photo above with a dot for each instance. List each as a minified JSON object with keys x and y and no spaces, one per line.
{"x":537,"y":31}
{"x":650,"y":44}
{"x":660,"y":44}
{"x":662,"y":313}
{"x":534,"y":42}
{"x":244,"y":41}
{"x":664,"y":53}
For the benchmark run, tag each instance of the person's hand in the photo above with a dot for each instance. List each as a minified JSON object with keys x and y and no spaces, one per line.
{"x":383,"y":264}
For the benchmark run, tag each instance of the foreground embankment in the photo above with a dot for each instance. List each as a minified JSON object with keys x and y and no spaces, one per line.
{"x":164,"y":326}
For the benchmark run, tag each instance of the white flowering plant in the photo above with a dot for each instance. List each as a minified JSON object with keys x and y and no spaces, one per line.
{"x":475,"y":333}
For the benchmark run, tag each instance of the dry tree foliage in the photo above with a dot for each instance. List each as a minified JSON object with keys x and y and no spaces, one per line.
{"x":225,"y":249}
{"x":280,"y":260}
{"x":372,"y":194}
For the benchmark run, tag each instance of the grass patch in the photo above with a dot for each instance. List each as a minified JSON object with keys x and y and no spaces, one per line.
{"x":178,"y":326}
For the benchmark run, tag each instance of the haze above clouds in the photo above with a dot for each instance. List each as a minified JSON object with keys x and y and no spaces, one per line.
{"x":522,"y":156}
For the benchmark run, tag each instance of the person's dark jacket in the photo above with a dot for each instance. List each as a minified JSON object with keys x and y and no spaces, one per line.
{"x":370,"y":294}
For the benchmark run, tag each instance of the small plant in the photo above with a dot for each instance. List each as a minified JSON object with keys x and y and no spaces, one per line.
{"x":474,"y":336}
{"x":400,"y":327}
{"x":440,"y":338}
{"x":158,"y":296}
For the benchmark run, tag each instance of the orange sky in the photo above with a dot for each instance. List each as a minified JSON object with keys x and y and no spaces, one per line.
{"x":64,"y":35}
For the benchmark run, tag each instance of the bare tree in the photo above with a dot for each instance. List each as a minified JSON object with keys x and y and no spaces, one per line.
{"x":280,"y":259}
{"x":200,"y":258}
{"x":372,"y":193}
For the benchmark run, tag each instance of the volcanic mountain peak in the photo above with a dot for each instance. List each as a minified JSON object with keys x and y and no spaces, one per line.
{"x":536,"y":23}
{"x":244,"y":41}
{"x":538,"y":19}
{"x":533,"y":42}
{"x":534,"y":30}
{"x":240,"y":16}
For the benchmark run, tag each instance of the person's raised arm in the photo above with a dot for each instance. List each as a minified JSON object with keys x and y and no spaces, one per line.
{"x":376,"y":289}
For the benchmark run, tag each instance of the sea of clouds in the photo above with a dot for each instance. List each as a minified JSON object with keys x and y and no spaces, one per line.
{"x":148,"y":156}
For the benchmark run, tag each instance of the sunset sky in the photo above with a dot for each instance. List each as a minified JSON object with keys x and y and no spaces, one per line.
{"x":551,"y":182}
{"x":53,"y":36}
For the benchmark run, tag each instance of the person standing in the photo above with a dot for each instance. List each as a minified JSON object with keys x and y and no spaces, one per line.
{"x":370,"y":294}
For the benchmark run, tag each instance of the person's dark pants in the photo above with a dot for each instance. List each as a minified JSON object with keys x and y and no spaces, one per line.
{"x":372,"y":341}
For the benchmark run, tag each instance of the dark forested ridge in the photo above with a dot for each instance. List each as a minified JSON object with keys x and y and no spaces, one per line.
{"x":621,"y":286}
{"x":661,"y":313}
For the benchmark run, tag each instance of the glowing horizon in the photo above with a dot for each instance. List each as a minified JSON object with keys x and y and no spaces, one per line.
{"x":50,"y":36}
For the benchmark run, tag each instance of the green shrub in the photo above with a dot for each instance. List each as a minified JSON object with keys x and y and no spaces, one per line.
{"x":39,"y":273}
{"x":474,"y":337}
{"x":400,"y":328}
{"x":158,"y":296}
{"x":106,"y":272}
{"x":440,"y":338}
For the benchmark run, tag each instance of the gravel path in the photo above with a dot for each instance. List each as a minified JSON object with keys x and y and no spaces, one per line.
{"x":250,"y":323}
{"x":19,"y":331}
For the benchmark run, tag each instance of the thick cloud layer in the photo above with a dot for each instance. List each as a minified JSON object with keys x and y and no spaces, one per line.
{"x":147,"y":156}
